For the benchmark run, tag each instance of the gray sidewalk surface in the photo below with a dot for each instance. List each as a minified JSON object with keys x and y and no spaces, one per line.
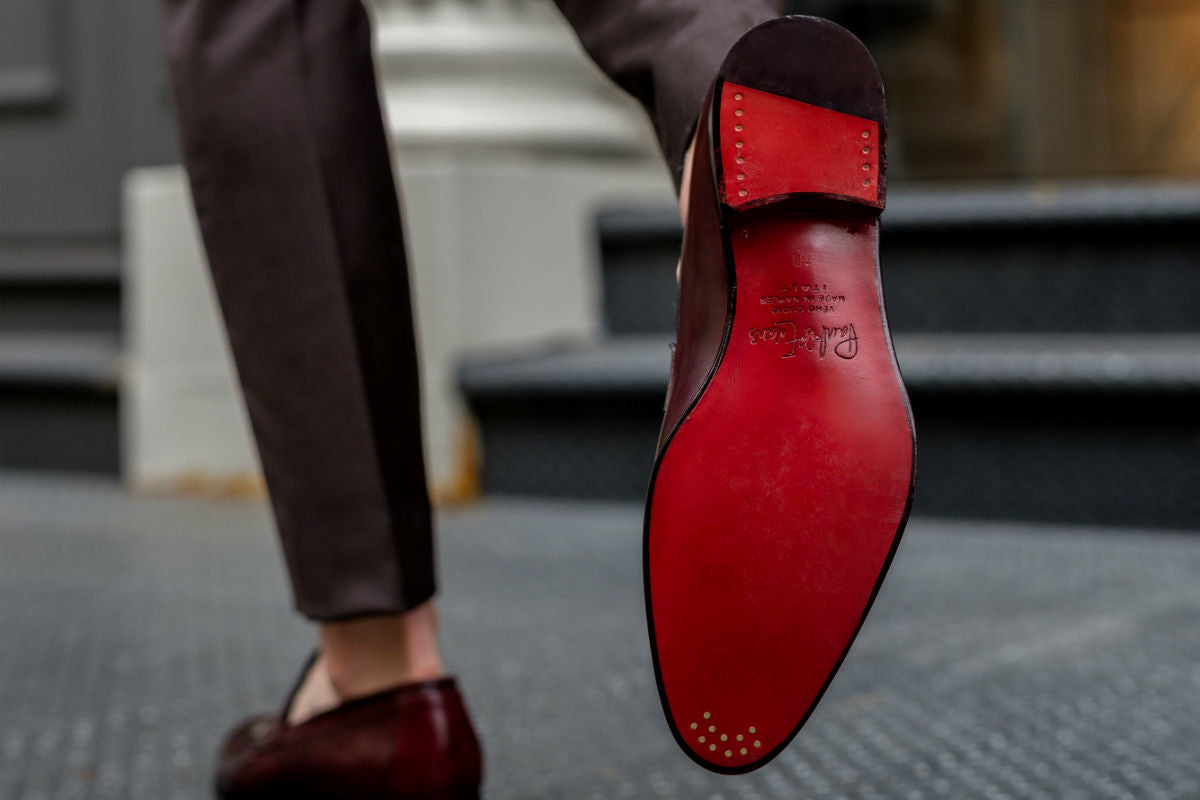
{"x":1000,"y":662}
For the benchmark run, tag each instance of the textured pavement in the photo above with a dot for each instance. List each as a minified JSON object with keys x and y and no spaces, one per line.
{"x":1000,"y":662}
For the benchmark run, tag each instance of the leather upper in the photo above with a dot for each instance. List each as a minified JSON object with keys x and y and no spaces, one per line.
{"x":415,"y":742}
{"x":704,"y":287}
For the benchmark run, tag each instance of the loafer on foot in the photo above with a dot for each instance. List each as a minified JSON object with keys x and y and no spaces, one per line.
{"x":415,"y":742}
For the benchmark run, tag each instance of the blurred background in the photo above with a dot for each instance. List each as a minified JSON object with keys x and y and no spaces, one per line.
{"x":1038,"y":637}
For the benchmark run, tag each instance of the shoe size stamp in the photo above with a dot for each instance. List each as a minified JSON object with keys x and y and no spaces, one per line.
{"x":803,"y":298}
{"x":841,"y":341}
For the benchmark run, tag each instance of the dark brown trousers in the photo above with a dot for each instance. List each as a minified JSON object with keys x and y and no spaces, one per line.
{"x":289,"y":162}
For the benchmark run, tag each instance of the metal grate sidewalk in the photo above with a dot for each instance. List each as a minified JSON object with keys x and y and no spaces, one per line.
{"x":1000,"y":662}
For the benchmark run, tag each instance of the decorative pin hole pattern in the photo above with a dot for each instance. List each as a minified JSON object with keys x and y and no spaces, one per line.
{"x":703,"y":739}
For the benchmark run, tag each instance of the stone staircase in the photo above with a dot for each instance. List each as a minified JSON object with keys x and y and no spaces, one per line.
{"x":59,"y":357}
{"x":1049,"y":338}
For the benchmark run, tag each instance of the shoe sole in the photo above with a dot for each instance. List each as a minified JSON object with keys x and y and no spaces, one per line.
{"x":778,"y":501}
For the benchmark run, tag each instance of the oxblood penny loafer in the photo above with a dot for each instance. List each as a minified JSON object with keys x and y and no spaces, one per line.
{"x":415,"y":742}
{"x":787,"y":455}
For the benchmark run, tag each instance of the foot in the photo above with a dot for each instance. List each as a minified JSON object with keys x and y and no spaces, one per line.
{"x":315,"y":694}
{"x":414,"y":742}
{"x":786,"y":457}
{"x":373,"y":717}
{"x":685,"y":193}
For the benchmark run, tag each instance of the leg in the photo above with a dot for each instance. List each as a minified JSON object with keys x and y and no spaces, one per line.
{"x":291,"y":176}
{"x":289,"y":162}
{"x":292,"y":183}
{"x":665,"y":53}
{"x":786,"y":459}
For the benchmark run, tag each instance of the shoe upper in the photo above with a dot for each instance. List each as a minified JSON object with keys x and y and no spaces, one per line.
{"x":415,"y":742}
{"x":704,"y":296}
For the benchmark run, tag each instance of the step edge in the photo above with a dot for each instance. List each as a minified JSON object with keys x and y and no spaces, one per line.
{"x":1053,"y":362}
{"x":87,"y":361}
{"x":922,"y":208}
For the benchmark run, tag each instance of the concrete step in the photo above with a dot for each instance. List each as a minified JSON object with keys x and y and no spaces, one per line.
{"x":61,"y":288}
{"x":58,"y":401}
{"x":1084,"y":428}
{"x":1083,"y":258}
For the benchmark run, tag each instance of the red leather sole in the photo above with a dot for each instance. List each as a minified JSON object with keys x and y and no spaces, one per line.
{"x":778,"y":501}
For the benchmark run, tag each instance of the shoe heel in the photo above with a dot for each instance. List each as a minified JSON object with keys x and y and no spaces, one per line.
{"x":774,"y":148}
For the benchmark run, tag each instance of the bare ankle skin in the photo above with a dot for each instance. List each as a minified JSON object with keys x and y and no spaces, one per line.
{"x":685,"y":186}
{"x":364,"y":656}
{"x":686,"y":183}
{"x":368,"y":655}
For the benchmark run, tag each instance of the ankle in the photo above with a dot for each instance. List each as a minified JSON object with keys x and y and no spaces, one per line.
{"x":685,"y":184}
{"x":369,"y":655}
{"x":685,"y":190}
